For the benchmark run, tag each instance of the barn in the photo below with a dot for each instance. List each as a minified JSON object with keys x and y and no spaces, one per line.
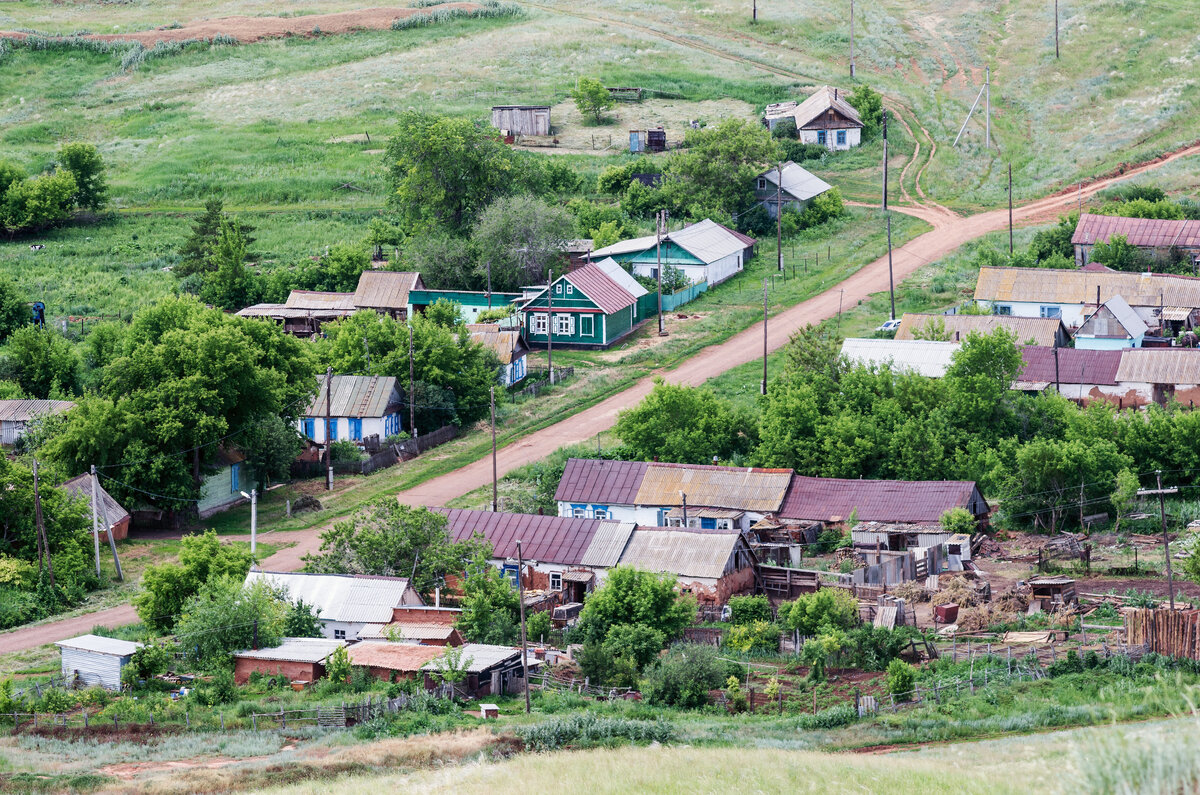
{"x":522,"y":119}
{"x":94,"y":660}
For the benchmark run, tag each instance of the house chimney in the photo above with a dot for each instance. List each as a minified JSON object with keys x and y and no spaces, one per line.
{"x":957,"y":336}
{"x":1097,"y":295}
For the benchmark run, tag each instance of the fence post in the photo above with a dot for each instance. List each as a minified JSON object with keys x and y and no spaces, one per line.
{"x":116,"y":724}
{"x":283,"y":717}
{"x":253,"y":720}
{"x":222,"y":714}
{"x":85,"y":716}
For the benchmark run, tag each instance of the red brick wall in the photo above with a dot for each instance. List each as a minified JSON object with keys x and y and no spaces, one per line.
{"x":309,"y":672}
{"x":428,"y":615}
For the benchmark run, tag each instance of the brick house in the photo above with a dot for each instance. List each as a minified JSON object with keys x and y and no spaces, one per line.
{"x":299,"y":659}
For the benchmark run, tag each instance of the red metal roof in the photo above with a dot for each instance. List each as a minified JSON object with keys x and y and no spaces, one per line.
{"x":600,"y":288}
{"x":1149,"y":232}
{"x":1075,"y":366}
{"x":601,"y":482}
{"x":546,"y":539}
{"x":834,"y":499}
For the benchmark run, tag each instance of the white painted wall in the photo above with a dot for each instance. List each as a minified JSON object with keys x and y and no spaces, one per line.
{"x":853,"y":138}
{"x":93,"y":667}
{"x":384,"y":426}
{"x":714,"y":273}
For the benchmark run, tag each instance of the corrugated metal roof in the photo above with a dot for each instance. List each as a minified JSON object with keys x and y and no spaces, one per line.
{"x":505,"y":343}
{"x":705,"y":513}
{"x":600,"y":482}
{"x":600,"y":288}
{"x":285,"y":312}
{"x":356,"y":396}
{"x":714,"y":486}
{"x":315,"y":299}
{"x":1176,"y":313}
{"x":707,"y":241}
{"x":1040,"y":330}
{"x":797,"y":181}
{"x":826,"y":97}
{"x":410,"y":631}
{"x":1128,"y":324}
{"x":621,"y":276}
{"x":340,"y":597}
{"x":1075,"y":366}
{"x":407,"y":657}
{"x":108,"y":508}
{"x":547,"y":539}
{"x":747,"y":241}
{"x":781,"y":110}
{"x":385,"y":289}
{"x":607,"y":545}
{"x":100,"y":645}
{"x":1053,"y":286}
{"x":631,"y":246}
{"x":1159,"y":366}
{"x":922,"y":357}
{"x":834,"y":499}
{"x":1144,"y":232}
{"x":479,"y":657}
{"x":677,"y":551}
{"x":26,"y":410}
{"x":306,"y":650}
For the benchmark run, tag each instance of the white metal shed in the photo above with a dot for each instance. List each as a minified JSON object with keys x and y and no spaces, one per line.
{"x":96,"y":660}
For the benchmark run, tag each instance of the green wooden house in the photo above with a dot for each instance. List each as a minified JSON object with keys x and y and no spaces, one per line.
{"x":593,"y":307}
{"x":470,"y":304}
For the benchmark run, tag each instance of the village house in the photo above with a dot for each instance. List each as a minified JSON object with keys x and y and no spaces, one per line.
{"x":711,"y":566}
{"x":1046,"y":332}
{"x":508,"y":346}
{"x":521,"y":119}
{"x":1166,"y":304}
{"x":344,"y":603}
{"x":15,"y":416}
{"x":394,"y":661}
{"x":114,"y":519}
{"x":491,"y":670}
{"x":385,"y":292}
{"x":1162,"y":239}
{"x":298,"y":659}
{"x":706,"y":252}
{"x":1080,"y":375}
{"x":825,"y":118}
{"x":910,"y":502}
{"x":1161,"y":375}
{"x":470,"y":304}
{"x":871,"y":536}
{"x":592,"y":308}
{"x":919,"y":357}
{"x":790,"y":187}
{"x":1111,"y":327}
{"x":223,"y":489}
{"x":357,"y":407}
{"x":94,"y":660}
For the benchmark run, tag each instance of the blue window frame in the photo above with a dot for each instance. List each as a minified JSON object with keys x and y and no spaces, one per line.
{"x":841,"y":137}
{"x":234,"y":478}
{"x":310,"y":427}
{"x":821,"y":137}
{"x":331,"y":431}
{"x":356,"y":428}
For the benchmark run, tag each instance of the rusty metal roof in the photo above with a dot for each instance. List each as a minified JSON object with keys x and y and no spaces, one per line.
{"x":600,"y":482}
{"x":677,"y":551}
{"x":835,"y":499}
{"x":1143,"y":232}
{"x":607,"y":544}
{"x":1053,"y":286}
{"x":1159,"y":366}
{"x":26,"y":410}
{"x":746,"y":488}
{"x":315,"y":299}
{"x":600,"y":288}
{"x":109,"y":509}
{"x":1041,"y":330}
{"x":406,"y":657}
{"x":1075,"y":366}
{"x":505,"y":343}
{"x":356,"y":396}
{"x":385,"y":289}
{"x":546,"y":539}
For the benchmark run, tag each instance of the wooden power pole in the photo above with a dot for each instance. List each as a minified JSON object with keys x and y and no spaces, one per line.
{"x":41,"y":524}
{"x":891,"y":279}
{"x":852,"y":39}
{"x":1162,"y":493}
{"x":494,"y":486}
{"x":779,"y":216}
{"x":764,"y":379}
{"x":1056,"y":29}
{"x":521,"y":598}
{"x":328,"y":429}
{"x":1010,"y":212}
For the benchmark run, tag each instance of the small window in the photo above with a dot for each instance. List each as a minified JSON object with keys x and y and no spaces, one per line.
{"x":674,"y":521}
{"x":1003,"y":309}
{"x":1051,"y":311}
{"x":821,"y":137}
{"x":762,"y":184}
{"x":555,"y":581}
{"x":540,"y":324}
{"x":600,"y":513}
{"x":564,"y":324}
{"x":234,"y":472}
{"x":339,"y":634}
{"x":841,"y":137}
{"x":586,"y":326}
{"x":579,"y":512}
{"x":723,"y":524}
{"x":570,"y":289}
{"x":558,"y":288}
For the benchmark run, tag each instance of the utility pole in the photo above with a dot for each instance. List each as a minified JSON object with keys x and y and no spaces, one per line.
{"x":779,"y":215}
{"x":764,"y":380}
{"x":412,"y":387}
{"x":891,"y":280}
{"x":683,"y":501}
{"x":253,"y":521}
{"x":1056,"y":29}
{"x":367,"y":349}
{"x":328,"y":435}
{"x":489,"y":271}
{"x":1010,"y":212}
{"x":987,"y":107}
{"x":521,"y":598}
{"x":494,"y":487}
{"x":112,"y":542}
{"x":1162,"y":513}
{"x":754,"y":11}
{"x":661,"y":222}
{"x":550,"y":323}
{"x":96,"y":523}
{"x":885,"y":160}
{"x":41,"y":525}
{"x":852,"y":39}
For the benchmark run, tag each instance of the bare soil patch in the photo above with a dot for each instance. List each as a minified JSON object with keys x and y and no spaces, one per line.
{"x":251,"y":29}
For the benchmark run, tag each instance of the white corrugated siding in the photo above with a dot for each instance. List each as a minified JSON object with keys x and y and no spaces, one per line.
{"x":93,"y":668}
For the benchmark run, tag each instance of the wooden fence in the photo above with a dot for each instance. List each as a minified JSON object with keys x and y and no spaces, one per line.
{"x":534,"y":389}
{"x":339,"y":716}
{"x":1175,"y":633}
{"x":411,"y":448}
{"x":547,"y":681}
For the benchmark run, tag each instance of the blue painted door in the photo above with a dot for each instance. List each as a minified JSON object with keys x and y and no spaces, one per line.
{"x":331,"y":432}
{"x":356,"y":428}
{"x":310,"y":427}
{"x":234,"y":472}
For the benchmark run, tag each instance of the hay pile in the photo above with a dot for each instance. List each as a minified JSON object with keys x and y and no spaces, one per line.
{"x":1014,"y":600}
{"x":957,"y":590}
{"x":911,"y":592}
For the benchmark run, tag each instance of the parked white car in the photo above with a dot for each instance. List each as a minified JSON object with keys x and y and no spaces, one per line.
{"x":889,"y":325}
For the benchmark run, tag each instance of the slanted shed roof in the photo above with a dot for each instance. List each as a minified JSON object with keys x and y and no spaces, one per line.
{"x":1159,"y":366}
{"x":342,"y":597}
{"x":356,"y":396}
{"x":599,"y":482}
{"x":621,"y":276}
{"x":316,"y":300}
{"x":1143,"y":232}
{"x":1043,"y":331}
{"x":480,"y":657}
{"x":385,"y":289}
{"x":1115,"y":319}
{"x":100,"y":645}
{"x":109,"y":509}
{"x":677,"y":551}
{"x":825,"y":98}
{"x":1075,"y":366}
{"x":1055,"y":286}
{"x":304,"y":650}
{"x":547,"y":539}
{"x":410,"y":631}
{"x":406,"y":657}
{"x":505,"y":343}
{"x":607,"y":545}
{"x":26,"y":410}
{"x":922,"y":357}
{"x":707,"y":241}
{"x":798,"y":182}
{"x":834,"y":499}
{"x":714,"y":486}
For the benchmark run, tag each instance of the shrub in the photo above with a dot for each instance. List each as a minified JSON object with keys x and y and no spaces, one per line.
{"x":828,"y":607}
{"x":841,"y":715}
{"x":735,"y":696}
{"x":758,"y":637}
{"x":901,"y":677}
{"x":337,"y":665}
{"x":56,"y":699}
{"x":537,"y":627}
{"x":219,"y":689}
{"x":746,"y":609}
{"x":346,"y":451}
{"x":683,"y":677}
{"x":587,"y":730}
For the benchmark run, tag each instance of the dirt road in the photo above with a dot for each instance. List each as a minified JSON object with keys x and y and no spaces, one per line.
{"x":31,"y":637}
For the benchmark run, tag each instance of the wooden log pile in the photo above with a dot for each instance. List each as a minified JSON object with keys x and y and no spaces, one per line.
{"x":1175,"y":633}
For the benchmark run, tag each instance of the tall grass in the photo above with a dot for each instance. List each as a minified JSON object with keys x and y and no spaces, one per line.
{"x":1154,"y":762}
{"x":489,"y":9}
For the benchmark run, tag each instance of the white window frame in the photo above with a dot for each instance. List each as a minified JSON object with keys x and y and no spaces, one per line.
{"x":540,"y":323}
{"x":570,"y":289}
{"x":556,"y":581}
{"x":1054,"y":312}
{"x":600,"y":513}
{"x":724,"y":524}
{"x":558,"y":288}
{"x":339,"y":634}
{"x":579,"y":513}
{"x":564,"y":325}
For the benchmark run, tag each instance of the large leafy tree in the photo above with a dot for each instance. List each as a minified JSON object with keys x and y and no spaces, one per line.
{"x":64,"y":518}
{"x":225,"y":615}
{"x":386,"y":538}
{"x":14,"y":312}
{"x":633,"y":597}
{"x":685,"y":425}
{"x":490,"y":605}
{"x":167,"y":587}
{"x":521,"y":236}
{"x":592,"y":98}
{"x":227,"y":282}
{"x":42,"y":362}
{"x":84,"y":163}
{"x":716,"y":168}
{"x":869,"y":104}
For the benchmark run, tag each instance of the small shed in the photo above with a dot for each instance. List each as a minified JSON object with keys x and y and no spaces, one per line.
{"x":15,"y":416}
{"x":1052,"y":593}
{"x":95,"y":660}
{"x":113,"y":518}
{"x":491,"y":670}
{"x":522,"y":119}
{"x":392,"y":661}
{"x":299,"y":659}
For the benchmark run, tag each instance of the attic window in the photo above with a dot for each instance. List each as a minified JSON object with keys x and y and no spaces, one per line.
{"x":570,"y":290}
{"x":762,"y":184}
{"x":558,"y":288}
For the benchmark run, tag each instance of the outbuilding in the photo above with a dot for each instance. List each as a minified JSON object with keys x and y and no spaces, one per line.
{"x":113,"y":518}
{"x":15,"y":416}
{"x":96,"y":661}
{"x":392,"y":661}
{"x":299,"y":659}
{"x":491,"y":670}
{"x":521,"y":119}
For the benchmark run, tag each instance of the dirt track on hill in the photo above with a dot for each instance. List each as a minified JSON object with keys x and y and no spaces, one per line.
{"x":251,"y":29}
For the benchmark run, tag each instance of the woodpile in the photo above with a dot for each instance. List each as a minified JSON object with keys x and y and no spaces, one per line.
{"x":848,"y":553}
{"x":1175,"y":633}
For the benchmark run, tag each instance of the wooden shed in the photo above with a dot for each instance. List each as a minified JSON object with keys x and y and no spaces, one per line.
{"x":95,"y":660}
{"x":1052,"y":593}
{"x":522,"y":119}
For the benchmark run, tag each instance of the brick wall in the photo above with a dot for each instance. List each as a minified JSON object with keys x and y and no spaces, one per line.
{"x":427,"y":615}
{"x":309,"y":672}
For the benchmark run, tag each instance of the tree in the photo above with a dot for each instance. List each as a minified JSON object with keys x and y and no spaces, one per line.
{"x":819,"y":612}
{"x":684,"y":676}
{"x":224,"y":616}
{"x":84,"y":163}
{"x":630,"y":596}
{"x":490,"y":607}
{"x":538,"y":626}
{"x":42,"y":362}
{"x":337,"y":666}
{"x":1055,"y":241}
{"x":933,"y":329}
{"x":821,"y":209}
{"x":813,"y":349}
{"x":980,"y":375}
{"x":270,"y":446}
{"x":958,"y":521}
{"x":521,"y":236}
{"x":301,"y":621}
{"x":452,"y":666}
{"x":196,"y":252}
{"x":383,"y":232}
{"x":38,"y":202}
{"x":869,"y":104}
{"x":1124,"y":497}
{"x":167,"y":587}
{"x":445,"y":262}
{"x":1118,"y":254}
{"x":901,"y":679}
{"x":386,"y":538}
{"x":227,"y":282}
{"x":344,"y":264}
{"x":684,"y":424}
{"x":14,"y":312}
{"x":745,"y":609}
{"x":1051,"y":475}
{"x":718,"y":165}
{"x":592,"y":98}
{"x":150,"y":660}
